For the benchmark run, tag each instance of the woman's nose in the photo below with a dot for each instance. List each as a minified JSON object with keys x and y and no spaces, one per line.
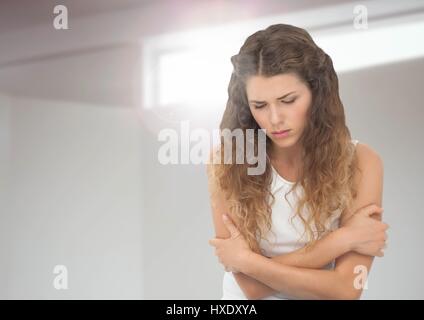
{"x":275,"y":116}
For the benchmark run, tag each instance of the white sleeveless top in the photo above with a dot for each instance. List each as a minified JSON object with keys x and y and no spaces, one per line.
{"x":285,"y":235}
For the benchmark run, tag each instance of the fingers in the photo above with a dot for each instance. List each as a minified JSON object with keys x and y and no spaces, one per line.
{"x":383,"y":236}
{"x":383,"y":247}
{"x":383,"y":225}
{"x":370,"y":210}
{"x":229,"y":269}
{"x":214,"y":242}
{"x":382,"y":250}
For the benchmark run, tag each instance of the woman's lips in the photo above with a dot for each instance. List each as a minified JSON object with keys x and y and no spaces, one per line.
{"x":281,"y":133}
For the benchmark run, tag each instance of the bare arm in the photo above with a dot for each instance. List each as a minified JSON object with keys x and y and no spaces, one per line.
{"x":250,"y":286}
{"x":323,"y":252}
{"x":326,"y":284}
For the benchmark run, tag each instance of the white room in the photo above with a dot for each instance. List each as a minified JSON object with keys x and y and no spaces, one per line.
{"x":88,"y":210}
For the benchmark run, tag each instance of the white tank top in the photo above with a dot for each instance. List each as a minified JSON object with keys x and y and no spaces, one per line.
{"x":285,"y":235}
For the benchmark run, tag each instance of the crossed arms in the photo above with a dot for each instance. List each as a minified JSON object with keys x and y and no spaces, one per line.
{"x":298,"y":273}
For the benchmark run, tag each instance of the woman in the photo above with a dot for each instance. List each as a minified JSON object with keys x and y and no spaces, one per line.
{"x":310,"y":225}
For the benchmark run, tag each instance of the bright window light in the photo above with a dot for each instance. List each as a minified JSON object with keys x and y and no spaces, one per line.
{"x":193,"y":68}
{"x":382,"y":43}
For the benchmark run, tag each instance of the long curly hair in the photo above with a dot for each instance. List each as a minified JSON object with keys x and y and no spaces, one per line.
{"x":327,"y":152}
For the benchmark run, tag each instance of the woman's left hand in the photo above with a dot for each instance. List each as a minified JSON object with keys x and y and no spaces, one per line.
{"x":233,"y":251}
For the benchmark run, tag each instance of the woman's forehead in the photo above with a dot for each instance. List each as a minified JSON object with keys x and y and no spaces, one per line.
{"x":261,"y":88}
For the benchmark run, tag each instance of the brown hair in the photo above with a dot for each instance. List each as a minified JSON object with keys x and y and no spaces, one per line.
{"x":327,"y":151}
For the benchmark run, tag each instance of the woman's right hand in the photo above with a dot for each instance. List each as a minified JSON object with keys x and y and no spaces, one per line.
{"x":367,"y":234}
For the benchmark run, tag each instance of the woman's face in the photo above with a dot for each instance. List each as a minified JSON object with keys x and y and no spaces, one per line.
{"x":279,"y":103}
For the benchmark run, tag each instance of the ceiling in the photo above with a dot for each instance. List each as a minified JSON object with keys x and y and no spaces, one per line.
{"x":22,"y":14}
{"x":105,"y":75}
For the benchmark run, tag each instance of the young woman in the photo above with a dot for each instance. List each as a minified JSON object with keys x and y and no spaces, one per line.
{"x":310,"y":225}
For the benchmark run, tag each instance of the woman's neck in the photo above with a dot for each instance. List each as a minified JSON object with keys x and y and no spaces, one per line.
{"x":290,"y":157}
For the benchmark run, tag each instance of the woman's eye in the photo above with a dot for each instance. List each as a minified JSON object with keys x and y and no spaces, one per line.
{"x":286,"y":102}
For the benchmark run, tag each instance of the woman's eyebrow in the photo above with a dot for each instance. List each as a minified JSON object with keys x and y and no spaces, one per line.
{"x":282,"y":97}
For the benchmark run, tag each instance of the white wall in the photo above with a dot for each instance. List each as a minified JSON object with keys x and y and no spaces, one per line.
{"x":384,"y":109}
{"x":80,"y":183}
{"x":73,"y":198}
{"x":5,"y":230}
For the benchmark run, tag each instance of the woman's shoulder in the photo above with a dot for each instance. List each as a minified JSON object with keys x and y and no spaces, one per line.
{"x":368,"y":158}
{"x":366,"y":152}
